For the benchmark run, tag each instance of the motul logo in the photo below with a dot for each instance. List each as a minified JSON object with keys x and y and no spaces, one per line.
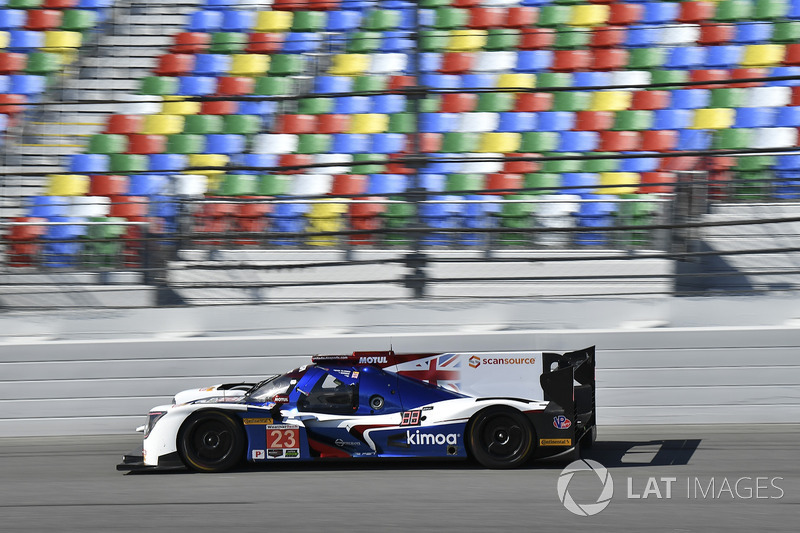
{"x":372,"y":360}
{"x":430,"y":438}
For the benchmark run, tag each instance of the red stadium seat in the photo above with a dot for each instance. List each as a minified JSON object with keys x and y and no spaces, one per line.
{"x":708,"y":75}
{"x":296,"y":124}
{"x":458,"y":102}
{"x":792,"y":55}
{"x":486,"y":17}
{"x":125,"y":124}
{"x":43,"y":19}
{"x":503,"y":183}
{"x":681,"y":163}
{"x":175,"y":64}
{"x":537,"y":38}
{"x":11,"y":104}
{"x":397,"y":166}
{"x":657,"y":182}
{"x":457,"y":62}
{"x":219,"y":107}
{"x":696,"y":11}
{"x":521,"y":167}
{"x":289,"y":160}
{"x":146,"y":144}
{"x":619,"y":141}
{"x":609,"y":59}
{"x":191,"y":43}
{"x":571,"y":60}
{"x":594,"y":120}
{"x":129,"y":207}
{"x":60,"y":4}
{"x":650,"y":100}
{"x":745,"y":73}
{"x":608,"y":37}
{"x":12,"y":63}
{"x":465,"y":3}
{"x":108,"y":185}
{"x":333,"y":123}
{"x":265,"y":43}
{"x":428,"y":142}
{"x":235,"y":85}
{"x":520,"y":17}
{"x":533,"y":102}
{"x":400,"y":82}
{"x":348,"y":184}
{"x":711,"y":34}
{"x":366,"y":217}
{"x":625,"y":13}
{"x":659,"y":140}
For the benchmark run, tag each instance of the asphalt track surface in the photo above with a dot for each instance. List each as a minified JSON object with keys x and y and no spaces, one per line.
{"x":71,"y":485}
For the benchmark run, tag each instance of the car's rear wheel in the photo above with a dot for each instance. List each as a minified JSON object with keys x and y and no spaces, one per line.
{"x":501,"y":437}
{"x":211,"y":441}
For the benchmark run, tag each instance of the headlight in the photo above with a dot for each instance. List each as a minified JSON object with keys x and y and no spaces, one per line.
{"x":152,"y":418}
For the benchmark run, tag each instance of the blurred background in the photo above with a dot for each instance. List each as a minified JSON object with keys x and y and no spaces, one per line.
{"x":387,"y":168}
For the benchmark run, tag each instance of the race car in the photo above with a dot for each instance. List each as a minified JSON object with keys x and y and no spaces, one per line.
{"x":499,"y":408}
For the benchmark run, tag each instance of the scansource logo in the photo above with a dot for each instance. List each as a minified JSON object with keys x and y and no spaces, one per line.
{"x":474,"y":361}
{"x":585,"y":509}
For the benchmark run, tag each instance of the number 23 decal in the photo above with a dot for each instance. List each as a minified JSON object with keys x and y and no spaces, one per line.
{"x":283,"y":438}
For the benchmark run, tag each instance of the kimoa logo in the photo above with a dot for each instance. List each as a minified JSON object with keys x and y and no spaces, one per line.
{"x":586,"y":509}
{"x":372,"y":360}
{"x":431,"y":438}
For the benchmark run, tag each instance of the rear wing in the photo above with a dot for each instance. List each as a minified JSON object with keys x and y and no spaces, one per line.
{"x":568,"y":380}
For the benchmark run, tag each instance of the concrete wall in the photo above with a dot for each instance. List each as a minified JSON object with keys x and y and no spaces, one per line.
{"x":678,"y":373}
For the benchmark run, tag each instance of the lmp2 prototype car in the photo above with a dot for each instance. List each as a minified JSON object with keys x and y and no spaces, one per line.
{"x":500,"y":408}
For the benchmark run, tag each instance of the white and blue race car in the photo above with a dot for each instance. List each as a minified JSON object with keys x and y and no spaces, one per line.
{"x":500,"y":408}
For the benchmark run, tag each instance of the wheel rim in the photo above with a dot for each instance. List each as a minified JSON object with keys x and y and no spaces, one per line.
{"x":211,"y":442}
{"x":503,"y":438}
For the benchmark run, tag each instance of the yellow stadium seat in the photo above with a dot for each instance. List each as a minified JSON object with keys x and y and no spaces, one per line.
{"x":326,"y":217}
{"x":59,"y":40}
{"x":611,"y":100}
{"x":349,"y":64}
{"x":516,"y":80}
{"x":3,"y":40}
{"x":249,"y":64}
{"x":274,"y":21}
{"x":763,"y":55}
{"x":714,"y":118}
{"x":175,"y":105}
{"x":504,"y":142}
{"x":589,"y":15}
{"x":628,"y":182}
{"x":163,"y":124}
{"x":67,"y":185}
{"x":207,"y":160}
{"x":369,"y":123}
{"x":467,"y":40}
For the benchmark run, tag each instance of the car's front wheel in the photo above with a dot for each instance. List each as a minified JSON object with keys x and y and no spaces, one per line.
{"x":501,"y":437}
{"x":211,"y":441}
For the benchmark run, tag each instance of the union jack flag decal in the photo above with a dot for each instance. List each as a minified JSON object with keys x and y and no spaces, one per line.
{"x":442,"y":370}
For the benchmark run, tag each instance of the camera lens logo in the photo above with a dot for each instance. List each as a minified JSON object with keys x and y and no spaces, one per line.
{"x":585,"y":509}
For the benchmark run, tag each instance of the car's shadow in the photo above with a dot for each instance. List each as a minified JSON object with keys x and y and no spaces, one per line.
{"x":611,"y":454}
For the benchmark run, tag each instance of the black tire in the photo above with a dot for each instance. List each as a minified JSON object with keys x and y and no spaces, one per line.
{"x":210,"y":441}
{"x":501,"y":437}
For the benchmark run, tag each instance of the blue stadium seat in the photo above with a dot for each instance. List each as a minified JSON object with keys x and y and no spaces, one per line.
{"x":196,"y":85}
{"x":556,"y":121}
{"x":167,"y":162}
{"x":350,"y":143}
{"x":438,"y":122}
{"x":694,"y":140}
{"x":88,"y":163}
{"x":385,"y":184}
{"x":147,"y":184}
{"x":755,"y":117}
{"x":517,"y":122}
{"x":333,"y":84}
{"x":205,"y":21}
{"x":237,"y":21}
{"x":387,"y":143}
{"x":349,"y":105}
